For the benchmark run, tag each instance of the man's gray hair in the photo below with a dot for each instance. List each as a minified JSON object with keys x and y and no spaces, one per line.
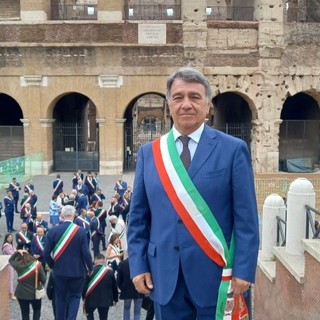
{"x":67,"y":212}
{"x":189,"y":75}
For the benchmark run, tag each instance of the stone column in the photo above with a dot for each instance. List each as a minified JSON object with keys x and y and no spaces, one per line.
{"x":33,"y":10}
{"x":26,"y":135}
{"x":47,"y":144}
{"x":273,"y":206}
{"x":194,"y":17}
{"x":110,"y":10}
{"x":120,"y":144}
{"x":103,"y":150}
{"x":301,"y":192}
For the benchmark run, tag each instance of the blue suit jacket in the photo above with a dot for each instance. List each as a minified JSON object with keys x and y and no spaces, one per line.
{"x":158,"y":240}
{"x":76,"y":259}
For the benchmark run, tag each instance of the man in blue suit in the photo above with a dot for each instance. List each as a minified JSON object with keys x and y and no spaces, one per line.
{"x":71,"y":262}
{"x":193,"y":234}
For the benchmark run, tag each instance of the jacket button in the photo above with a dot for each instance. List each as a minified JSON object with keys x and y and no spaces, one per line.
{"x":180,"y":221}
{"x":176,"y":248}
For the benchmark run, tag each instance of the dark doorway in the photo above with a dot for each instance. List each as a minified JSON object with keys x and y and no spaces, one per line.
{"x":299,"y":134}
{"x":11,"y":128}
{"x":75,"y":134}
{"x":232,"y":115}
{"x":147,"y":118}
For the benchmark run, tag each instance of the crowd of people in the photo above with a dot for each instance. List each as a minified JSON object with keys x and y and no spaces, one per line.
{"x":74,"y":249}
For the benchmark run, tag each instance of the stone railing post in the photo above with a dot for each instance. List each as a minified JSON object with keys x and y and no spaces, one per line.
{"x":301,"y":192}
{"x":273,"y":206}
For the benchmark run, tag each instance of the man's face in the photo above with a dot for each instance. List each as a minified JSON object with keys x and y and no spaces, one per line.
{"x":24,"y":227}
{"x":40,"y":232}
{"x":188,"y":105}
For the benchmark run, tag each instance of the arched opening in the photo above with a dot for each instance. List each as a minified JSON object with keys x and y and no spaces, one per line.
{"x":147,"y":118}
{"x":11,"y":128}
{"x":299,"y":134}
{"x":76,"y":134}
{"x":232,"y":115}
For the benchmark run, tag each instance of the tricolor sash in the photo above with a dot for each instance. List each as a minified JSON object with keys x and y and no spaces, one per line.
{"x":39,"y":243}
{"x":29,"y":270}
{"x":101,"y":213}
{"x":90,"y":183}
{"x":28,"y":199}
{"x":96,"y":280}
{"x":118,"y":185}
{"x":23,"y":237}
{"x":57,"y":186}
{"x":195,"y":213}
{"x":64,"y":241}
{"x":84,"y":222}
{"x":95,"y":232}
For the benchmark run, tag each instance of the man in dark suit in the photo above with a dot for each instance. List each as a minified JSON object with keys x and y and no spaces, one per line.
{"x":100,"y":289}
{"x":39,"y":221}
{"x":24,"y":238}
{"x":82,"y":201}
{"x":70,"y":261}
{"x":9,"y":203}
{"x":38,"y":244}
{"x":57,"y":185}
{"x":193,"y":231}
{"x":14,"y":187}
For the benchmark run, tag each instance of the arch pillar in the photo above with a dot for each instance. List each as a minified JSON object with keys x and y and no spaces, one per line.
{"x":46,"y":144}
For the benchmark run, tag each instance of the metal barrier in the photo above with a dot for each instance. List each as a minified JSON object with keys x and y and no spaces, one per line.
{"x":303,"y":13}
{"x":21,"y":168}
{"x":74,"y":12}
{"x":310,"y":222}
{"x":236,"y":13}
{"x":152,"y":12}
{"x":281,"y":234}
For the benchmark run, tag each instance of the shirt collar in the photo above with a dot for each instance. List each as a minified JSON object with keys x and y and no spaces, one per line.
{"x":195,"y":135}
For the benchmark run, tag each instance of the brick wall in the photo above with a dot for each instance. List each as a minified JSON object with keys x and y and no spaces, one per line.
{"x":286,"y":298}
{"x":4,"y":294}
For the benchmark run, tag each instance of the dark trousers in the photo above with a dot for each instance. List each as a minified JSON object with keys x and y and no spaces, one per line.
{"x":181,"y":306}
{"x":67,"y":293}
{"x":9,"y":220}
{"x":95,"y":244}
{"x":147,"y":304}
{"x":103,"y":313}
{"x":25,"y":309}
{"x":16,"y":199}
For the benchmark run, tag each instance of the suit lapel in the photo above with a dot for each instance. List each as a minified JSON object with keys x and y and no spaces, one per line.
{"x":205,"y":147}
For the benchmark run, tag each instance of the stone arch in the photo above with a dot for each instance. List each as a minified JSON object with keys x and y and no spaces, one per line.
{"x":75,"y":133}
{"x":147,"y":117}
{"x":11,"y":128}
{"x":299,"y":136}
{"x":233,"y":113}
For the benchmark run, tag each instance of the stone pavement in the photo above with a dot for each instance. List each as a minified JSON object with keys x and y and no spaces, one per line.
{"x":43,"y":189}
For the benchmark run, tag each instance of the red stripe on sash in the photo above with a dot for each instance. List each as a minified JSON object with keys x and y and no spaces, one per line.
{"x":66,"y":243}
{"x":179,"y":207}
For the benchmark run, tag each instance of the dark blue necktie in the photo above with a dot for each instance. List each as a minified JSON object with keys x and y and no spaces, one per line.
{"x":185,"y":155}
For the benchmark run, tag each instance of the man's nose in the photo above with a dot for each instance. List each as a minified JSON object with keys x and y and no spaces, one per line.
{"x":186,"y":102}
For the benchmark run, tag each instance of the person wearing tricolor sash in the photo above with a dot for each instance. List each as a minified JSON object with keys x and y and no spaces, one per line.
{"x":67,"y":253}
{"x":193,"y":234}
{"x":24,"y":237}
{"x":57,"y":185}
{"x":100,"y":290}
{"x":26,"y":267}
{"x":38,"y":244}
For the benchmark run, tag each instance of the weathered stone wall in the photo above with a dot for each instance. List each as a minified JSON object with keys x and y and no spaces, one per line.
{"x":263,"y":61}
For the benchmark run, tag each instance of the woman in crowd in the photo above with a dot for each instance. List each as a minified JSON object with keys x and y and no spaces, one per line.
{"x":114,"y":253}
{"x":9,"y":249}
{"x":54,"y":211}
{"x":27,"y":267}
